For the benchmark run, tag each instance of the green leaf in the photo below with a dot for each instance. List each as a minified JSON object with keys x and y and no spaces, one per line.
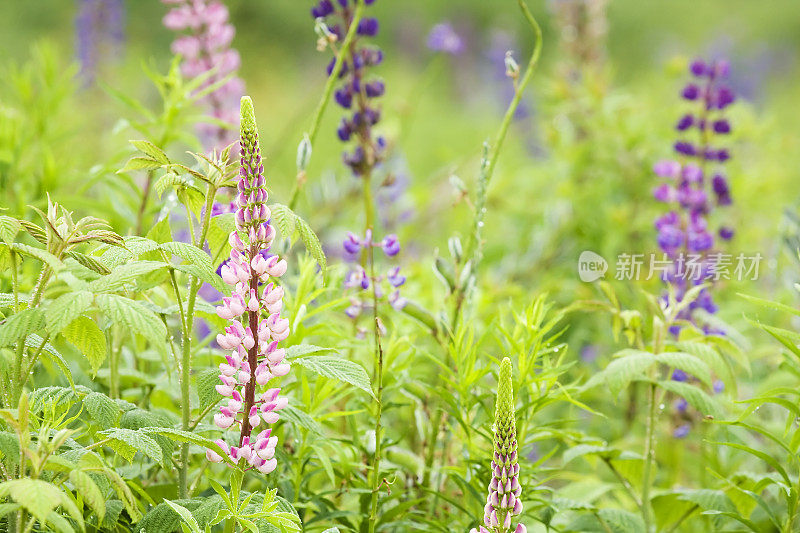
{"x":192,"y":438}
{"x":89,"y":339}
{"x":9,"y":227}
{"x":128,"y":442}
{"x":688,"y":363}
{"x":189,"y":252}
{"x":707,"y":499}
{"x":185,"y":515}
{"x":284,"y":219}
{"x":206,"y":275}
{"x":621,"y":521}
{"x":134,"y":316}
{"x":300,"y":350}
{"x":34,"y":341}
{"x":301,"y":418}
{"x":124,"y":275}
{"x":768,"y":459}
{"x":89,"y":262}
{"x":151,"y":150}
{"x":206,"y":381}
{"x":36,"y":496}
{"x":66,"y":308}
{"x":88,"y":490}
{"x":102,"y":408}
{"x":694,"y":396}
{"x":140,"y":163}
{"x":20,"y":325}
{"x":311,"y":242}
{"x":628,"y":366}
{"x":338,"y":368}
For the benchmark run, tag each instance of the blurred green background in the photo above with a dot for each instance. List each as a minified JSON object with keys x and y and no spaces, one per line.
{"x":575,"y":173}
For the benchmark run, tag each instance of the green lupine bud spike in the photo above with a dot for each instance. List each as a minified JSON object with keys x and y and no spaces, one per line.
{"x":503,"y":500}
{"x":248,"y":115}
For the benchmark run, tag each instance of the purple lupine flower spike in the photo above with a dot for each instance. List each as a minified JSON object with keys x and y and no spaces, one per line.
{"x":206,"y":46}
{"x":694,"y":182}
{"x":443,"y":38}
{"x":357,"y":92}
{"x":253,"y":309}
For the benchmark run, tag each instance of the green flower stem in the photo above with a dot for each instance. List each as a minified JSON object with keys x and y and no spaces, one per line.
{"x":326,"y":95}
{"x":489,"y":161}
{"x":186,"y":345}
{"x":659,"y":334}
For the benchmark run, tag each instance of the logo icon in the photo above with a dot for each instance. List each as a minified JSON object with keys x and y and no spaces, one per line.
{"x":591,"y":266}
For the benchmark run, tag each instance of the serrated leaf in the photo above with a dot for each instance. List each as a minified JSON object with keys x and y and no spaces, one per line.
{"x":34,"y":341}
{"x":89,"y":491}
{"x":89,"y":339}
{"x":189,"y":252}
{"x":185,"y":515}
{"x":337,"y":368}
{"x":66,"y":308}
{"x":694,"y":396}
{"x":206,"y":382}
{"x":20,"y":325}
{"x":300,"y":350}
{"x":192,"y":438}
{"x":9,"y":227}
{"x":37,"y":253}
{"x":128,"y":442}
{"x":133,"y":315}
{"x":140,"y":163}
{"x":301,"y":418}
{"x":124,"y":275}
{"x":688,"y":363}
{"x":629,"y":365}
{"x":89,"y":262}
{"x":284,"y":219}
{"x":151,"y":150}
{"x":36,"y":496}
{"x":102,"y":408}
{"x":34,"y":231}
{"x":311,"y":242}
{"x":621,"y":521}
{"x":161,"y":231}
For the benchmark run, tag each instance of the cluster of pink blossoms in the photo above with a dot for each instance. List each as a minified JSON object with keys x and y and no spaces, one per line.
{"x":206,"y":47}
{"x":252,"y":341}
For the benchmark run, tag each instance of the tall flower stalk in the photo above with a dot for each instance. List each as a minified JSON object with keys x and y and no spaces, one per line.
{"x":205,"y":48}
{"x":356,"y":93}
{"x":253,"y":309}
{"x":695,"y":184}
{"x":503,"y":502}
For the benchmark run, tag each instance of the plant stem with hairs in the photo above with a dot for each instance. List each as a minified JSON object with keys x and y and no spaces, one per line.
{"x":472,"y":253}
{"x":186,"y":346}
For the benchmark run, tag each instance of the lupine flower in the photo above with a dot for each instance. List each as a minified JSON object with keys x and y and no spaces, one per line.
{"x":443,"y":38}
{"x":99,"y":32}
{"x":357,"y":91}
{"x":205,"y":46}
{"x":694,"y":183}
{"x":503,"y":502}
{"x":254,"y":308}
{"x":359,"y":280}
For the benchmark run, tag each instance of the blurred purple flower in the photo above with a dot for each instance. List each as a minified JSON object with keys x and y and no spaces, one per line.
{"x":443,"y":38}
{"x":205,"y":49}
{"x":99,"y":32}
